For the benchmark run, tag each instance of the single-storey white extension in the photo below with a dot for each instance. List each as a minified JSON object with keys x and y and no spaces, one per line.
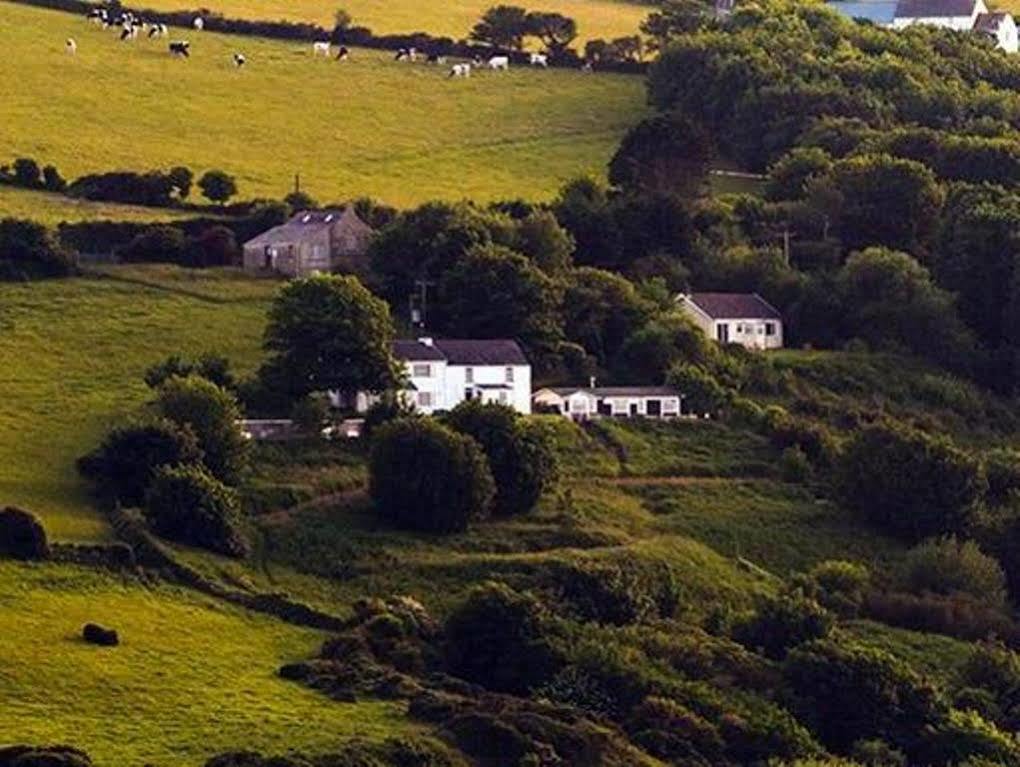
{"x":735,"y":318}
{"x":582,"y":404}
{"x":443,"y":372}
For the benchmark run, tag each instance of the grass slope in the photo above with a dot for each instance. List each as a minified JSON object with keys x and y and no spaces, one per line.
{"x":191,"y":678}
{"x":451,"y":18}
{"x":52,"y":209}
{"x":370,"y":126}
{"x":71,"y":359}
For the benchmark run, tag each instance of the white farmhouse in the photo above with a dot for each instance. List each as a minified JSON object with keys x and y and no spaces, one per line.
{"x":443,"y":372}
{"x":961,"y":15}
{"x":584,"y":404}
{"x":736,"y":318}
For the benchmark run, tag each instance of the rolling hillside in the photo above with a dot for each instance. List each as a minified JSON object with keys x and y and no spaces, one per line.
{"x":451,"y":18}
{"x":52,"y":209}
{"x":370,"y":126}
{"x":72,"y":357}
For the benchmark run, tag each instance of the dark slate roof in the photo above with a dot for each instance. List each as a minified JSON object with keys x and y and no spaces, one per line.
{"x":735,"y":306}
{"x":989,"y":22}
{"x":619,"y":391}
{"x":495,"y":351}
{"x":415,"y":351}
{"x":934,"y":9}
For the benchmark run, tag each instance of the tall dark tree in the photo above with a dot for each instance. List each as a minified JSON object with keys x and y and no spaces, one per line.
{"x":329,"y":333}
{"x":217,"y":186}
{"x":666,"y":154}
{"x":502,"y":26}
{"x":555,"y":30}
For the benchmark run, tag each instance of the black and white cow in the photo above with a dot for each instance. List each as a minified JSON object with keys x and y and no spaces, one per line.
{"x":239,"y":60}
{"x":180,"y":48}
{"x":343,"y":54}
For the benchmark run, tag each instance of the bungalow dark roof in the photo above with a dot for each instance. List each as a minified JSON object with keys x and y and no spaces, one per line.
{"x":934,"y":9}
{"x":495,"y":351}
{"x":735,"y":306}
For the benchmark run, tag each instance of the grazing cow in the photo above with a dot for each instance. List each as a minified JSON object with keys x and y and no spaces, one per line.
{"x":406,"y":54}
{"x":539,"y":60}
{"x":198,"y":23}
{"x":97,"y":15}
{"x":158,"y":30}
{"x":180,"y":48}
{"x":71,"y":46}
{"x":321,"y":46}
{"x":128,"y":32}
{"x":239,"y":60}
{"x":343,"y":54}
{"x":460,"y":70}
{"x":499,"y":63}
{"x":477,"y":60}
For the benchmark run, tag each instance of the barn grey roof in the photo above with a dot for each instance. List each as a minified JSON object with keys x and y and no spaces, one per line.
{"x":619,"y":391}
{"x":934,"y":9}
{"x":307,"y":223}
{"x":734,"y":306}
{"x":489,"y":351}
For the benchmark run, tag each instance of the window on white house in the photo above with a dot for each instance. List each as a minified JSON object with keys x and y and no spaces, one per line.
{"x":469,"y":375}
{"x":421,"y":371}
{"x":740,"y":329}
{"x":770,"y":328}
{"x":509,"y":375}
{"x":424,"y":399}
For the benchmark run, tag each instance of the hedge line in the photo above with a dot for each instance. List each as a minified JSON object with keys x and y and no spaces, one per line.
{"x":361,"y":37}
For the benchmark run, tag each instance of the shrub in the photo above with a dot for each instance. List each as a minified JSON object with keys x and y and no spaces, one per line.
{"x":847,"y":693}
{"x":950,"y":566}
{"x":26,"y":173}
{"x":702,"y":392}
{"x":909,"y":484}
{"x":617,"y":593}
{"x":212,"y":413}
{"x":388,"y":408}
{"x":956,"y":616}
{"x":189,"y":505}
{"x":877,"y":753}
{"x":158,"y":244}
{"x":785,"y":430}
{"x":836,"y":585}
{"x":30,"y":251}
{"x":670,"y":731}
{"x":522,"y":461}
{"x":95,"y":634}
{"x":572,"y":686}
{"x":1002,"y":469}
{"x":215,"y":246}
{"x":794,"y":465}
{"x":152,"y":189}
{"x":217,"y":186}
{"x":782,"y":623}
{"x":993,"y":667}
{"x":124,"y":464}
{"x":966,"y":735}
{"x":310,"y":413}
{"x":423,"y":476}
{"x":52,"y":180}
{"x":496,"y":638}
{"x":22,"y":535}
{"x":41,"y":756}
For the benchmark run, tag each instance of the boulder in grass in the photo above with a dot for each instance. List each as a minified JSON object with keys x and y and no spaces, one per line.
{"x":22,"y":535}
{"x":96,"y":634}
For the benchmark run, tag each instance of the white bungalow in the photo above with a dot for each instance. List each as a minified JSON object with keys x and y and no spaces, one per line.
{"x":736,"y":318}
{"x":582,"y":404}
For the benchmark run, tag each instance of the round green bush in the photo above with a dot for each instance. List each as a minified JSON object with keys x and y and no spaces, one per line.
{"x":949,"y":566}
{"x":187,"y":504}
{"x":426,"y":477}
{"x":22,"y":535}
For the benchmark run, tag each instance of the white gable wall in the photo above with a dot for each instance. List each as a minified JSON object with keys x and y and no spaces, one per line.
{"x":960,"y":23}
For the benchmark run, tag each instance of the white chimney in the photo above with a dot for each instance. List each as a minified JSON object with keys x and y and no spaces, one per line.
{"x":425,"y":341}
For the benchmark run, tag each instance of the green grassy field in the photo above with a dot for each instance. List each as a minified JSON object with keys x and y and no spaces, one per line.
{"x":190,"y":679}
{"x":403,"y":133}
{"x":452,"y":18}
{"x":72,"y":354}
{"x":52,"y":209}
